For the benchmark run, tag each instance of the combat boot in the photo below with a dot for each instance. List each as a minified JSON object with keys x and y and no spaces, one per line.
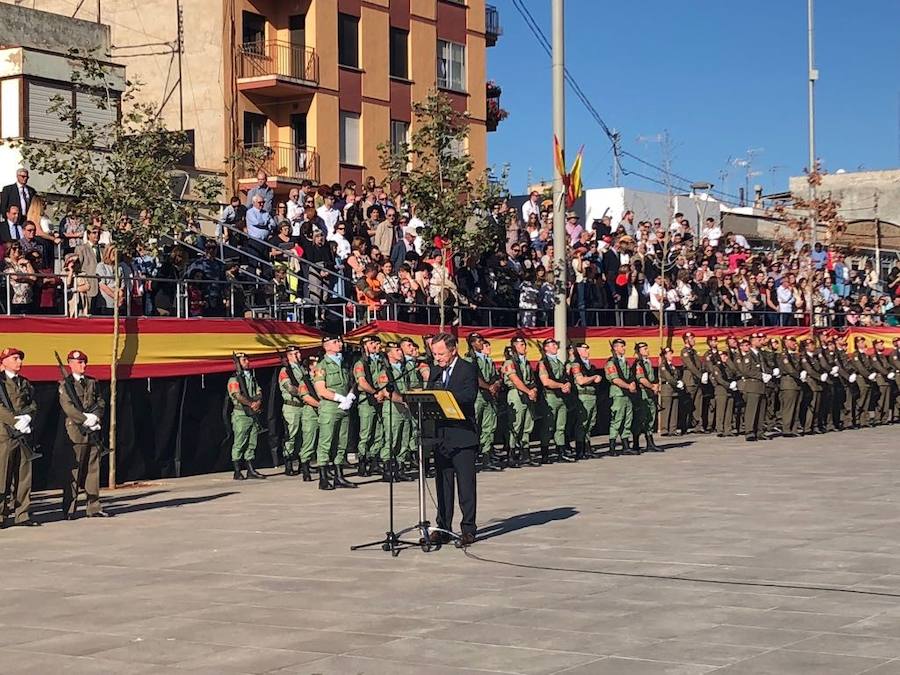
{"x":237,"y":471}
{"x":651,"y":444}
{"x":613,"y":451}
{"x":339,"y":480}
{"x":488,"y":463}
{"x":362,"y":466}
{"x":512,"y":458}
{"x":545,"y":456}
{"x":304,"y":470}
{"x":527,"y":458}
{"x":627,"y":450}
{"x":565,"y":454}
{"x":251,"y":472}
{"x":289,"y":467}
{"x":324,"y":478}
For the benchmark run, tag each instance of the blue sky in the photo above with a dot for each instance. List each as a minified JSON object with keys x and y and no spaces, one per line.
{"x":721,"y":76}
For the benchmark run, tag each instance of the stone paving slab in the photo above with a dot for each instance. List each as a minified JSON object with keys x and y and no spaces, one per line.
{"x":713,"y":557}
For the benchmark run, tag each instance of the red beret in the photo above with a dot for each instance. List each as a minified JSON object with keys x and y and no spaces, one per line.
{"x":10,"y":351}
{"x":76,"y":355}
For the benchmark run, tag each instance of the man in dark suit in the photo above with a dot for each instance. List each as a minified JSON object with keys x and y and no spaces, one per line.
{"x":10,"y":226}
{"x":18,"y":194}
{"x":456,"y":441}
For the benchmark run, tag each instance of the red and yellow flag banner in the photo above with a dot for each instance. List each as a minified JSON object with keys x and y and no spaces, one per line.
{"x":151,"y":347}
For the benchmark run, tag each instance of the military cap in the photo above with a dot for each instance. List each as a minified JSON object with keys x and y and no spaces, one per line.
{"x":329,"y":338}
{"x":617,"y":341}
{"x":474,"y":336}
{"x":582,"y":345}
{"x":639,"y":345}
{"x":240,"y":355}
{"x":370,"y":338}
{"x":292,"y":349}
{"x":791,"y":337}
{"x":877,"y":341}
{"x":550,"y":341}
{"x":859,"y":338}
{"x":516,"y":339}
{"x":11,"y":351}
{"x":712,"y":338}
{"x":896,"y":340}
{"x":392,"y":345}
{"x":76,"y":355}
{"x":406,"y":338}
{"x":744,"y":341}
{"x":689,"y":334}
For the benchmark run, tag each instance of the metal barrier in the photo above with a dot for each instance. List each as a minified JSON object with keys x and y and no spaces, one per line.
{"x":283,"y":59}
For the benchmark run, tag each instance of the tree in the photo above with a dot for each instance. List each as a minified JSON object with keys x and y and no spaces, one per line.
{"x":436,"y":175}
{"x":117,"y":171}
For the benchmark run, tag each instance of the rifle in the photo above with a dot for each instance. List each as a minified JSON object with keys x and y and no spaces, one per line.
{"x":29,"y":449}
{"x":94,"y":437}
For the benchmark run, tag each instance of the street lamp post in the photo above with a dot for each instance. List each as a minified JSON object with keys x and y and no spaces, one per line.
{"x":560,"y":312}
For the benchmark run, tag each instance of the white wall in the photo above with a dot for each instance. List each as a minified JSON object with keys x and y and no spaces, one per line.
{"x":615,"y":201}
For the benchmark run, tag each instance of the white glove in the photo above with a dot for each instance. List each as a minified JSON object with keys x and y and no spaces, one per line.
{"x":733,"y":386}
{"x":872,"y":376}
{"x":96,"y":427}
{"x":340,"y":398}
{"x":803,"y":376}
{"x":91,"y":420}
{"x":23,"y":424}
{"x":823,"y":377}
{"x":891,"y":375}
{"x":679,"y":385}
{"x":776,"y":372}
{"x":834,"y":370}
{"x":350,"y":398}
{"x":852,"y":378}
{"x":704,"y":378}
{"x":346,"y":403}
{"x":766,"y":377}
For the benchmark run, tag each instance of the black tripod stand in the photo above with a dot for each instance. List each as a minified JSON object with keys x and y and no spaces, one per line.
{"x":392,"y":541}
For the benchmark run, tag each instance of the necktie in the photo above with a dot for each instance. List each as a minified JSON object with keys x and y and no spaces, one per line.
{"x":24,"y":199}
{"x":446,"y":377}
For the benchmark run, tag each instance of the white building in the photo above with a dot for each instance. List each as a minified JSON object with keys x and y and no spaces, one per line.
{"x":614,"y":202}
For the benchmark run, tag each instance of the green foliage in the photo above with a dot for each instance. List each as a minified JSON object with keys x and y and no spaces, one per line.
{"x":119,"y":169}
{"x":436,"y":177}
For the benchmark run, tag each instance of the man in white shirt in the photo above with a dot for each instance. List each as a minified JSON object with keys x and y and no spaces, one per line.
{"x":675,"y":225}
{"x":786,"y":302}
{"x":533,"y":205}
{"x":294,"y":212}
{"x":713,"y":232}
{"x":329,"y":214}
{"x":657,"y":295}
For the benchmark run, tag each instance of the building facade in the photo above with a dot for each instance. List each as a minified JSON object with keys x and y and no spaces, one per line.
{"x":307,"y":89}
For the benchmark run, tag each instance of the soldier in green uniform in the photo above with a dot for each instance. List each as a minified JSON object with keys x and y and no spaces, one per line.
{"x":621,"y":389}
{"x":755,"y":379}
{"x":645,"y":405}
{"x":707,"y":414}
{"x":246,"y":399}
{"x":811,"y":400}
{"x":332,"y":383}
{"x":309,"y":417}
{"x":412,"y":375}
{"x":291,"y":406}
{"x":772,"y":364}
{"x":724,"y":377}
{"x":83,"y":413}
{"x":368,"y":367}
{"x":586,"y":380}
{"x":15,"y":466}
{"x":521,"y":398}
{"x":828,"y":396}
{"x":396,"y":417}
{"x":881,"y":365}
{"x":692,"y":376}
{"x":895,"y":364}
{"x":865,"y":377}
{"x":790,"y":387}
{"x":836,"y":381}
{"x":848,"y":381}
{"x":670,"y":392}
{"x":486,"y":403}
{"x":734,"y":351}
{"x":552,"y":375}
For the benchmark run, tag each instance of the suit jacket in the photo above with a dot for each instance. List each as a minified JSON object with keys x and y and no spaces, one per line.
{"x":455,"y":434}
{"x":6,"y":232}
{"x":89,"y":261}
{"x":398,"y":254}
{"x":10,"y":196}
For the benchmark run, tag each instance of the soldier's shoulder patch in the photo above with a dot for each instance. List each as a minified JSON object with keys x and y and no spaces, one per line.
{"x":611,"y":368}
{"x":359,"y":368}
{"x":233,"y":385}
{"x":319,"y":372}
{"x":575,"y":367}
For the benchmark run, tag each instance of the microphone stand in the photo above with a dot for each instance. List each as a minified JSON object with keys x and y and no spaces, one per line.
{"x":392,"y":541}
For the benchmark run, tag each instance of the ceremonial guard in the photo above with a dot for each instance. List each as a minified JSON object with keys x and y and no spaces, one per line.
{"x":521,"y":398}
{"x":895,"y":364}
{"x":671,"y":388}
{"x":859,"y":364}
{"x":621,"y":390}
{"x":309,"y":417}
{"x":692,"y":376}
{"x":735,"y":352}
{"x":366,"y":371}
{"x":725,"y":377}
{"x":772,"y":364}
{"x":586,"y":381}
{"x":556,"y":386}
{"x":707,"y":414}
{"x":246,"y":399}
{"x":840,"y":384}
{"x":413,"y":376}
{"x":790,"y":386}
{"x":17,"y":410}
{"x":79,"y":396}
{"x":755,"y":378}
{"x":291,"y":406}
{"x":396,"y":417}
{"x":332,"y":383}
{"x":886,"y":377}
{"x":813,"y":375}
{"x":645,"y":404}
{"x":830,"y":387}
{"x":486,"y":403}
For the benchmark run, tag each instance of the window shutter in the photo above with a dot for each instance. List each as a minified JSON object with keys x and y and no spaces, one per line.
{"x":43,"y":124}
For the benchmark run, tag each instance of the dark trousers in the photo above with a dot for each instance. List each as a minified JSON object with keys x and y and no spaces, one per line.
{"x":15,"y":478}
{"x":459,"y":466}
{"x":84,"y":472}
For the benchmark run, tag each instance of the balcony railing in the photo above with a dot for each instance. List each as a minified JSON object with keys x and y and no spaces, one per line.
{"x":492,"y":28}
{"x":280,"y":59}
{"x":280,"y":160}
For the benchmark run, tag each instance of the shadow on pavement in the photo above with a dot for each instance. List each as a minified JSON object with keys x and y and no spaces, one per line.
{"x":523,"y":520}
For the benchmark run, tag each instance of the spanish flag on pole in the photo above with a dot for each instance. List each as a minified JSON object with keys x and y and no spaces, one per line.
{"x":572,"y":180}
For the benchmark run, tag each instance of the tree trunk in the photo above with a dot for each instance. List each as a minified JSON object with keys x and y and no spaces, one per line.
{"x":113,"y":379}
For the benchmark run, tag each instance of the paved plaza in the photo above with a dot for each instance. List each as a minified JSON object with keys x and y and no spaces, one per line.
{"x":725,"y":557}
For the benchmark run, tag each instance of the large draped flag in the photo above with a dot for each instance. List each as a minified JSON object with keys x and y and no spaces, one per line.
{"x":572,"y":185}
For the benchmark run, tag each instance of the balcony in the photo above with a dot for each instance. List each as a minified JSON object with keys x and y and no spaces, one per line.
{"x":492,"y":28}
{"x":494,"y":114}
{"x":283,"y":162}
{"x":277,"y":69}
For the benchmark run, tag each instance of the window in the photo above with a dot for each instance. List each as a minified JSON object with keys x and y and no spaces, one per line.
{"x":399,"y":53}
{"x":254,"y":129}
{"x":98,"y":113}
{"x":254,"y":32}
{"x":349,"y":141}
{"x":44,"y":123}
{"x":399,"y":137}
{"x":451,"y":66}
{"x":348,"y":40}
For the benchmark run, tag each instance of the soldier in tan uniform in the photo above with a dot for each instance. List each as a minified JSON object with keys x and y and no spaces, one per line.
{"x":83,"y":417}
{"x":15,"y":427}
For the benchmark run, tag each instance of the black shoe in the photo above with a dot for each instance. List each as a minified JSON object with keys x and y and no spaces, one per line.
{"x":339,"y":480}
{"x":289,"y":467}
{"x":651,"y":444}
{"x":325,"y":478}
{"x":636,"y":445}
{"x":613,"y":452}
{"x":251,"y":472}
{"x":751,"y":438}
{"x":100,"y":514}
{"x":362,"y":466}
{"x":28,"y":523}
{"x":487,"y":463}
{"x":304,"y":470}
{"x":789,"y":435}
{"x":627,"y":449}
{"x":545,"y":456}
{"x":528,"y":459}
{"x":512,"y":458}
{"x":237,"y":471}
{"x":565,"y":454}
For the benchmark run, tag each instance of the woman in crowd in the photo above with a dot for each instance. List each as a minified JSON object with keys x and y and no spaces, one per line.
{"x":20,"y":276}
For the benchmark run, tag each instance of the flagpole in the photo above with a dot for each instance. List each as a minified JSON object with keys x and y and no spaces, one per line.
{"x":560,"y":311}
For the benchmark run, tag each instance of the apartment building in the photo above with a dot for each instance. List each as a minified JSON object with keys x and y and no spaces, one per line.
{"x":307,"y":88}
